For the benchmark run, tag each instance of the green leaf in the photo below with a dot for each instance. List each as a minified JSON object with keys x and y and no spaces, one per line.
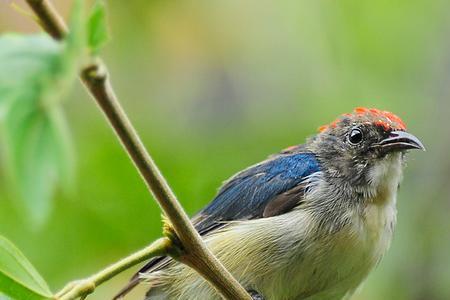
{"x":35,"y":73}
{"x":26,"y":63}
{"x":18,"y":278}
{"x":39,"y":155}
{"x":97,"y":30}
{"x":4,"y":297}
{"x":76,"y":39}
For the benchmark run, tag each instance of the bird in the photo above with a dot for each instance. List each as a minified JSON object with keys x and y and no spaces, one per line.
{"x":309,"y":222}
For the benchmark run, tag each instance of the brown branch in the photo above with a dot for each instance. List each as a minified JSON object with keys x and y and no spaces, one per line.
{"x":95,"y":78}
{"x":48,"y":18}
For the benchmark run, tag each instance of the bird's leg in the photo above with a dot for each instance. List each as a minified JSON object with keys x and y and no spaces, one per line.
{"x":255,"y":295}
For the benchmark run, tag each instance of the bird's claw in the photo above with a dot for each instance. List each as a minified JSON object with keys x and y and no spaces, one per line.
{"x":255,"y":295}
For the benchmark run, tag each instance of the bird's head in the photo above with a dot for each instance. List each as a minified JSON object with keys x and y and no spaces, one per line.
{"x":363,"y":146}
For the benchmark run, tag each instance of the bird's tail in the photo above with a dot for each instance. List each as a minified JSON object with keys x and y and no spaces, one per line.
{"x":157,"y":262}
{"x":125,"y":290}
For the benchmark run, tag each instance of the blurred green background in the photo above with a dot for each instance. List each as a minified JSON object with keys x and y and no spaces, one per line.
{"x":214,"y":86}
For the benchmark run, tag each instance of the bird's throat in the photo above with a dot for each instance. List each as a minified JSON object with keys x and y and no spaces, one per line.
{"x":384,"y":179}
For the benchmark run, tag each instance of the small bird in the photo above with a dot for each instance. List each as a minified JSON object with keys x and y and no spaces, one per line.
{"x":310,"y":222}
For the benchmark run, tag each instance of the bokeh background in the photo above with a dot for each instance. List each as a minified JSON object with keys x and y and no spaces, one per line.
{"x":214,"y":86}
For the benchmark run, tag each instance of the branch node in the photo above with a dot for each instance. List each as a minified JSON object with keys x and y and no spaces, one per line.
{"x":88,"y":286}
{"x":177,"y":249}
{"x":79,"y":288}
{"x":95,"y":73}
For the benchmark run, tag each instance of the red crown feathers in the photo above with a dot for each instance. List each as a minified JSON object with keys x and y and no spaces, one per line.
{"x":381,"y":118}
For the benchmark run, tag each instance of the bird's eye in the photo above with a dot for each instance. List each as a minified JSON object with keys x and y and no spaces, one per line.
{"x":355,"y":136}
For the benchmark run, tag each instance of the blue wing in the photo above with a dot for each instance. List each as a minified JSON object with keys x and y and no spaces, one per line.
{"x":269,"y":188}
{"x":249,"y":193}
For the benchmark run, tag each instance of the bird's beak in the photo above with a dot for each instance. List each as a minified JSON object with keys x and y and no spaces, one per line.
{"x":400,"y":140}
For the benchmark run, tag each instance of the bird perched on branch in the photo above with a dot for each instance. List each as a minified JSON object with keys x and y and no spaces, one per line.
{"x":308,"y":223}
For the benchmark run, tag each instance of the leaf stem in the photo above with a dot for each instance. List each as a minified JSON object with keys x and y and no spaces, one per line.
{"x":95,"y":78}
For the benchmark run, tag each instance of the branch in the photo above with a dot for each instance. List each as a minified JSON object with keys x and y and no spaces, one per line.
{"x":96,"y":80}
{"x":48,"y":18}
{"x":86,"y":286}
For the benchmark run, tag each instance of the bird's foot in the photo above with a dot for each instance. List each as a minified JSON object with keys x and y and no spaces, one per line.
{"x":255,"y":295}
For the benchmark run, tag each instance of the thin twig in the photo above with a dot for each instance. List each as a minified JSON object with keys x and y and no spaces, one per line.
{"x":86,"y":286}
{"x":49,"y":18}
{"x":96,"y":80}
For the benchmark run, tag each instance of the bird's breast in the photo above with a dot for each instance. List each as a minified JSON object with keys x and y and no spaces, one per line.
{"x":336,"y":263}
